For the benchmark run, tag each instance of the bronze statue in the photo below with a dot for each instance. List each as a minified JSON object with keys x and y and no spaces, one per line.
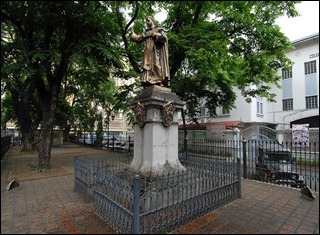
{"x":155,"y":68}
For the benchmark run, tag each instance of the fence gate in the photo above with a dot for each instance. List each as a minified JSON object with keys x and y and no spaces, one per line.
{"x":257,"y":134}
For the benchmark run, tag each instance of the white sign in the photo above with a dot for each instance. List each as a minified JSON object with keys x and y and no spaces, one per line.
{"x":300,"y":134}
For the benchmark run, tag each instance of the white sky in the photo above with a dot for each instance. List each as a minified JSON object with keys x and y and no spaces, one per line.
{"x":294,"y":28}
{"x":305,"y":24}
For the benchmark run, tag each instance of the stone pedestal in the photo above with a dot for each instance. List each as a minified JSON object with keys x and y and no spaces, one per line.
{"x":156,"y":132}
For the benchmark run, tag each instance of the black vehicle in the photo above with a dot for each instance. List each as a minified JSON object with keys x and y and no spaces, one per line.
{"x":276,"y":164}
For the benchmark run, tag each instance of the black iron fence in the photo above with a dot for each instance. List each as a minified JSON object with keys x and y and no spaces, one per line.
{"x":264,"y":160}
{"x":5,"y":144}
{"x":113,"y":144}
{"x":284,"y":164}
{"x":132,"y":203}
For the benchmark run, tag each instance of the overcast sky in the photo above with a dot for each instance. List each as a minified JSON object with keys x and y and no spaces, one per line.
{"x":294,"y":28}
{"x":304,"y":25}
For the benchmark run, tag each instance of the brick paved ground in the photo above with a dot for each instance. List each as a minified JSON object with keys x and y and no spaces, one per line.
{"x":46,"y":202}
{"x":262,"y":209}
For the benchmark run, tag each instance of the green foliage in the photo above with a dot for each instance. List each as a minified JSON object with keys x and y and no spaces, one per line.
{"x":99,"y":132}
{"x":306,"y":162}
{"x":215,"y":47}
{"x":67,"y":55}
{"x":7,"y":112}
{"x":209,"y":151}
{"x":32,"y":165}
{"x":55,"y":52}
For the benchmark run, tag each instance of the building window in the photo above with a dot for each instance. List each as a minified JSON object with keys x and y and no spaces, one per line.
{"x":287,"y":73}
{"x":310,"y":67}
{"x":202,"y":111}
{"x":312,"y":102}
{"x":287,"y":104}
{"x":225,"y":111}
{"x":259,"y":108}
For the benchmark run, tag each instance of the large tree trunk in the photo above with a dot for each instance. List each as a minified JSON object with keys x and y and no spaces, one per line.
{"x":28,"y":129}
{"x":44,"y":148}
{"x":66,"y":131}
{"x":27,"y":141}
{"x":28,"y":119}
{"x":48,"y":105}
{"x":44,"y":140}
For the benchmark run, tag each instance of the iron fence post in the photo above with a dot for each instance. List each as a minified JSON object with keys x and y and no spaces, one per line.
{"x":113,"y":143}
{"x":244,"y":149}
{"x":75,"y":162}
{"x":136,"y":204}
{"x":185,"y":142}
{"x":239,"y":174}
{"x":129,"y":150}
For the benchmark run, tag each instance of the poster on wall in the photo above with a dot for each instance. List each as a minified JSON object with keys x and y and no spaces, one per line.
{"x":300,"y":135}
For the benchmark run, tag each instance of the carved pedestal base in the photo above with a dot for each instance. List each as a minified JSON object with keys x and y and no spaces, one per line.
{"x":156,"y":132}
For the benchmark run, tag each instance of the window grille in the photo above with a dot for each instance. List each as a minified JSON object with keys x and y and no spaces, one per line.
{"x":310,"y":67}
{"x":287,"y":73}
{"x":203,"y":111}
{"x":312,"y":102}
{"x":287,"y":104}
{"x":225,"y":111}
{"x":259,"y":108}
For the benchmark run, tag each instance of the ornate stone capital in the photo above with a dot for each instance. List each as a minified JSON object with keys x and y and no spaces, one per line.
{"x":140,"y":114}
{"x":167,"y":114}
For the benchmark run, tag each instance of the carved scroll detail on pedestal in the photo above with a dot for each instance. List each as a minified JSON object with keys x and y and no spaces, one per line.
{"x":140,"y":114}
{"x":167,"y":114}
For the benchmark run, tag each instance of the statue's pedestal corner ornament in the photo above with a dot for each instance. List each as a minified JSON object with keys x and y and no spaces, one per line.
{"x":140,"y":114}
{"x":167,"y":114}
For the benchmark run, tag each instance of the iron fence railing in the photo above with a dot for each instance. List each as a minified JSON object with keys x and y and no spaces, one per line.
{"x":264,"y":160}
{"x":284,"y":164}
{"x":113,"y":145}
{"x":5,"y":144}
{"x":89,"y":172}
{"x":132,"y":203}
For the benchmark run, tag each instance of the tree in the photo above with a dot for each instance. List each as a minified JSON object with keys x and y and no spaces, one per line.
{"x":217,"y":46}
{"x":42,"y":40}
{"x":78,"y":96}
{"x":7,"y":112}
{"x":213,"y":47}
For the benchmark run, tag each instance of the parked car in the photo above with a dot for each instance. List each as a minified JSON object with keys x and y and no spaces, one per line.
{"x":105,"y":140}
{"x":121,"y":146}
{"x":87,"y":139}
{"x":275,"y":163}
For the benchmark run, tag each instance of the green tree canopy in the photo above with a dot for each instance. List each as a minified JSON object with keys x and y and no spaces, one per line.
{"x":216,"y":46}
{"x":42,"y":44}
{"x":79,"y":46}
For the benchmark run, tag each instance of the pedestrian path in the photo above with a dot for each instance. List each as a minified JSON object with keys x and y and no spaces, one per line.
{"x":46,"y":202}
{"x":262,"y":209}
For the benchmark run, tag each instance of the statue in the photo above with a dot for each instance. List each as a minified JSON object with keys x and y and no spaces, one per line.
{"x":155,"y":68}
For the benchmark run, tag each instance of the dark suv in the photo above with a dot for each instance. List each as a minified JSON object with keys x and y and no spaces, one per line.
{"x":276,"y":164}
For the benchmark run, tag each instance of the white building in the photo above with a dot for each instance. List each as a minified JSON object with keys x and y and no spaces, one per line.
{"x":297,"y":102}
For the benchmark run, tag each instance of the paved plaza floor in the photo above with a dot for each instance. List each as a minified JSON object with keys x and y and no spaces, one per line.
{"x":45,"y":202}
